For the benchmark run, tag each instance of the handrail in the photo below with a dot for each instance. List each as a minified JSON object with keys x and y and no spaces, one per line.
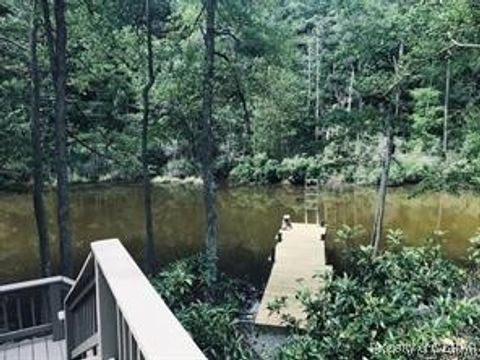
{"x":121,"y":316}
{"x":22,"y":285}
{"x":30,"y":308}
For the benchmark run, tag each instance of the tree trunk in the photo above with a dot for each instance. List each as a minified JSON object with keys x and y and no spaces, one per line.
{"x":350,"y":90}
{"x":66,"y":261}
{"x":446,"y":109}
{"x":57,"y":51}
{"x":440,"y":211}
{"x":317,"y":78}
{"x":382,"y":191}
{"x":309,"y":73}
{"x":248,"y":150}
{"x":207,"y":143}
{"x":147,"y":188}
{"x":50,"y":41}
{"x":36,"y":132}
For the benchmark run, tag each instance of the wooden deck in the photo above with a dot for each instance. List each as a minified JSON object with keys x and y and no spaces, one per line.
{"x":111,"y":312}
{"x":34,"y":349}
{"x":299,"y":257}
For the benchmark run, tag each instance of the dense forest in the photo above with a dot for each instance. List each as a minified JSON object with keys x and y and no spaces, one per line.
{"x":363,"y":92}
{"x":299,"y":86}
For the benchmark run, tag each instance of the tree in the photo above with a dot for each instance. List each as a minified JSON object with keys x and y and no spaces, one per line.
{"x":382,"y":189}
{"x":387,"y":160}
{"x":36,"y":130}
{"x":57,"y":46}
{"x":446,"y":109}
{"x":147,"y":187}
{"x":207,"y":143}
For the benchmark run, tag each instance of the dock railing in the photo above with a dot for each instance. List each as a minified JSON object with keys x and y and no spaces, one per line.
{"x":113,"y":312}
{"x":31,"y":308}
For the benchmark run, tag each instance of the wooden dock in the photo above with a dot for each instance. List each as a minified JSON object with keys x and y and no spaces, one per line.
{"x":298,"y":258}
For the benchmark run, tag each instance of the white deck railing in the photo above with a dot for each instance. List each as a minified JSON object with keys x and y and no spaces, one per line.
{"x":29,"y":308}
{"x":113,"y":312}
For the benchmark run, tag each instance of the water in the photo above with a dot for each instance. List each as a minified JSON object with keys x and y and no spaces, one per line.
{"x":249,"y":219}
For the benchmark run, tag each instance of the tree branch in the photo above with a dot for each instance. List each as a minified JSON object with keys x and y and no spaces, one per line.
{"x":92,"y":149}
{"x":465,"y":45}
{"x":13,"y":42}
{"x":415,"y":68}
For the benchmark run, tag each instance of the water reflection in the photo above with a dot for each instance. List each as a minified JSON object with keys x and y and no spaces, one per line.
{"x":249,"y":218}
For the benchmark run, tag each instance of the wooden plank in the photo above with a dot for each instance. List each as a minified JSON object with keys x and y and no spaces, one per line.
{"x":43,"y":348}
{"x":56,"y":350}
{"x":40,"y":349}
{"x":26,"y":350}
{"x":10,"y":351}
{"x":299,"y":259}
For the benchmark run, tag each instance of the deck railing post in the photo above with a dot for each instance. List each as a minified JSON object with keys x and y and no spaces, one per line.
{"x":68,"y":332}
{"x":6,"y":325}
{"x":56,"y":304}
{"x":107,"y":318}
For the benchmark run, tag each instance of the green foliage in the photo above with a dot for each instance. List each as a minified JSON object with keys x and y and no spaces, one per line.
{"x":271,"y":121}
{"x":405,"y":296}
{"x":261,"y":170}
{"x":454,"y":175}
{"x":257,"y":169}
{"x":329,"y":168}
{"x":180,"y":168}
{"x":208,"y":313}
{"x":474,"y":254}
{"x":426,"y":118}
{"x":299,"y":168}
{"x":213,"y":329}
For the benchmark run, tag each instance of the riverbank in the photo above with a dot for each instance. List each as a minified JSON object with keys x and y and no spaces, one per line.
{"x":85,"y":184}
{"x":407,"y":170}
{"x":426,"y":172}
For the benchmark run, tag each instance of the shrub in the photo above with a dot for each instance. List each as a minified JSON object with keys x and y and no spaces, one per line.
{"x":259,"y":169}
{"x":432,"y":173}
{"x":270,"y":172}
{"x":256,"y":170}
{"x":295,"y":169}
{"x":212,"y":327}
{"x":243,"y":173}
{"x":209,"y":314}
{"x":222,"y":167}
{"x":180,"y":168}
{"x":454,"y":175}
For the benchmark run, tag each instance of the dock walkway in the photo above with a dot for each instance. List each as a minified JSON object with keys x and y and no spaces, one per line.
{"x":298,"y":258}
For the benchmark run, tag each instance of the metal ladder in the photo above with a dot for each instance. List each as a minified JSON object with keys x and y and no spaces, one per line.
{"x":310,"y":204}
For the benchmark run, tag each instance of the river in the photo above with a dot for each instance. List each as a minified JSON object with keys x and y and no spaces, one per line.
{"x":248,"y":220}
